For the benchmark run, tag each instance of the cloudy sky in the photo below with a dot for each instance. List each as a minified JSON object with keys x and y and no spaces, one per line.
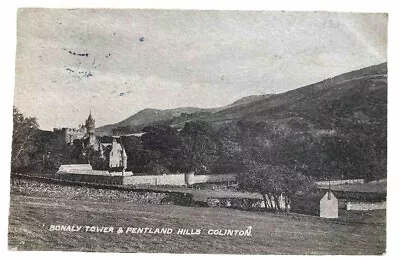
{"x":117,"y":62}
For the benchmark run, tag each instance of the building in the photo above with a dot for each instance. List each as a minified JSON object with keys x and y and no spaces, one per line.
{"x":68,"y":135}
{"x":85,"y":133}
{"x":90,"y":131}
{"x":329,"y":206}
{"x":117,"y":157}
{"x":111,"y":155}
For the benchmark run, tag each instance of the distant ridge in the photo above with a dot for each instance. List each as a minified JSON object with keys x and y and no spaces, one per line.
{"x":315,"y":106}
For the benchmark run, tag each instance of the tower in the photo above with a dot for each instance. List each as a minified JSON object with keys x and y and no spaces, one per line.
{"x":90,"y":124}
{"x":90,"y":130}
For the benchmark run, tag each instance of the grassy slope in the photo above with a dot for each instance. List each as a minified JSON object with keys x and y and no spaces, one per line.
{"x":146,"y":117}
{"x":150,"y":116}
{"x":271,"y":233}
{"x":335,"y":99}
{"x":362,"y":90}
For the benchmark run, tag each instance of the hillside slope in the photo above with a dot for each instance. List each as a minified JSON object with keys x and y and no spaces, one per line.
{"x":173,"y":117}
{"x":357,"y":96}
{"x":145,"y":117}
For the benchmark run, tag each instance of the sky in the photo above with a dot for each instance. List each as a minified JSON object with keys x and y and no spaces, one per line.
{"x":116,"y":62}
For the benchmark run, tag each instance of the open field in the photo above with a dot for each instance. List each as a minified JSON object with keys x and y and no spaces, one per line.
{"x":31,"y":217}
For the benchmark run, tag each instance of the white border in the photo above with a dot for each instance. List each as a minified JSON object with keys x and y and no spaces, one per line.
{"x":8,"y":43}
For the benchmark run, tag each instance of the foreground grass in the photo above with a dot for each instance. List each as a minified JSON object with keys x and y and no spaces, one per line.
{"x":30,"y":218}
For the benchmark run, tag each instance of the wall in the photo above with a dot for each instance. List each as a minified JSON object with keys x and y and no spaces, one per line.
{"x":74,"y":168}
{"x":340,"y":182}
{"x":78,"y":169}
{"x":84,"y":173}
{"x":214,"y":178}
{"x":364,"y":206}
{"x":99,"y":179}
{"x":68,"y":135}
{"x":171,"y":179}
{"x":378,"y":181}
{"x":177,"y":179}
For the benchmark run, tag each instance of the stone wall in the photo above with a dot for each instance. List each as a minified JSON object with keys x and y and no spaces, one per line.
{"x":177,"y":179}
{"x":364,"y":206}
{"x":80,"y":169}
{"x":90,"y":178}
{"x":378,"y":181}
{"x":74,"y":168}
{"x":216,"y":178}
{"x":68,"y":135}
{"x":84,"y":173}
{"x":171,"y":179}
{"x":340,"y":182}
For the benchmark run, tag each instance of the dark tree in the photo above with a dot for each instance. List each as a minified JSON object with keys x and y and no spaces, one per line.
{"x":272,"y":182}
{"x":163,"y":148}
{"x":23,"y":146}
{"x":200,"y":149}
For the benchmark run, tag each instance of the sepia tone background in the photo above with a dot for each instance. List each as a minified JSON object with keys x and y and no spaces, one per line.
{"x":117,"y":62}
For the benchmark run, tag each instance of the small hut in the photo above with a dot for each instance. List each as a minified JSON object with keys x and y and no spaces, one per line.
{"x":328,"y":206}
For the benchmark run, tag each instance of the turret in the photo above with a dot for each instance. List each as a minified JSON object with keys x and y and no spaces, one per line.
{"x":90,"y":124}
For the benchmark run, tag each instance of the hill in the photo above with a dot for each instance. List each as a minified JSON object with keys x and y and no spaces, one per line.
{"x":358,"y":96}
{"x":335,"y":128}
{"x":147,"y":117}
{"x":247,"y":100}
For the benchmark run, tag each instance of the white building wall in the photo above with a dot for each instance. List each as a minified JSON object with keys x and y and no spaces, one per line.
{"x":329,"y":206}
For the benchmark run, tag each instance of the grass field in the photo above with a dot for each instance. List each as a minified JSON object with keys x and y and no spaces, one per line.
{"x":30,"y":218}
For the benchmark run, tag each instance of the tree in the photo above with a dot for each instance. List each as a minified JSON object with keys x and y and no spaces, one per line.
{"x":23,"y":146}
{"x":272,"y":182}
{"x":163,"y":147}
{"x":199,"y":146}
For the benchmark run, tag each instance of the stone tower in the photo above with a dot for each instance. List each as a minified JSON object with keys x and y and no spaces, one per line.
{"x":90,"y":130}
{"x":90,"y":124}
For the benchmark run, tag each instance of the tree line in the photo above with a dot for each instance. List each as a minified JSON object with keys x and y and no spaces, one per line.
{"x":350,"y":152}
{"x":267,"y":158}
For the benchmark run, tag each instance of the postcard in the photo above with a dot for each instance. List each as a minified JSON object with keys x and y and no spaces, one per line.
{"x":199,"y":132}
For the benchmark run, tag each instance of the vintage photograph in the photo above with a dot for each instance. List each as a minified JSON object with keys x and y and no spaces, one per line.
{"x":199,"y":132}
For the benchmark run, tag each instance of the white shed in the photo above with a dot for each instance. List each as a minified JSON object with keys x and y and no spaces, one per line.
{"x":328,"y":206}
